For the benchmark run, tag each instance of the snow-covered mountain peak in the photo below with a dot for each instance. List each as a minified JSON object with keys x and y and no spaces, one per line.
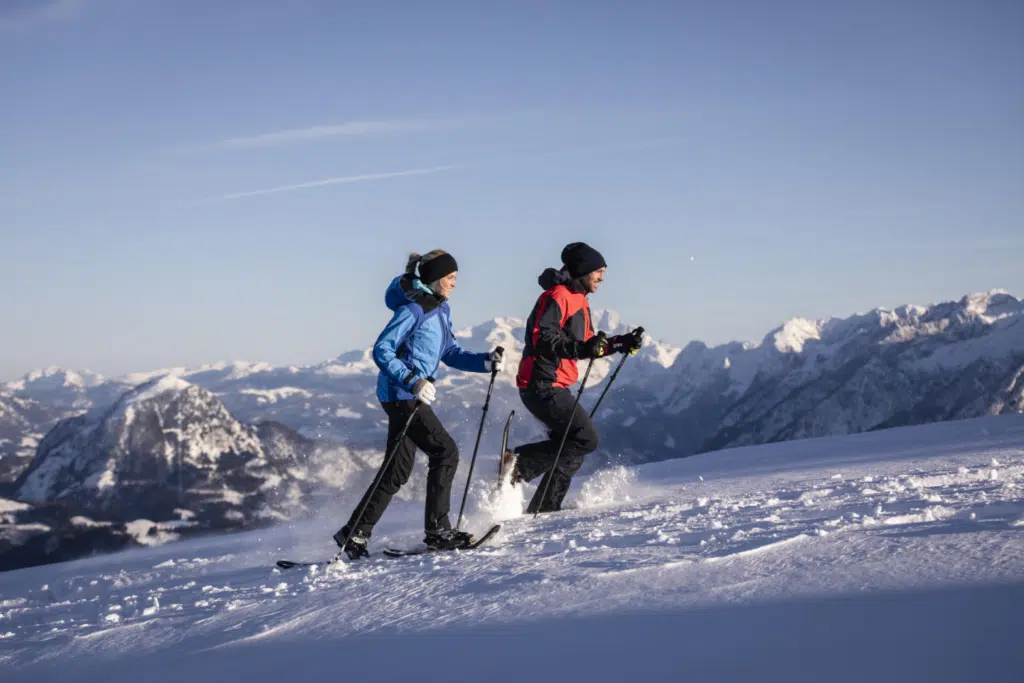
{"x":233,"y":370}
{"x":991,"y":305}
{"x":506,"y":332}
{"x":155,"y":388}
{"x":353,"y":356}
{"x":659,"y":352}
{"x":134,"y":379}
{"x":909,"y":311}
{"x":165,"y":445}
{"x":608,"y":320}
{"x":793,"y":334}
{"x":354,"y":362}
{"x":56,"y":378}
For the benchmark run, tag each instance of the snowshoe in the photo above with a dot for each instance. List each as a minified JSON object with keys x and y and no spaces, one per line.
{"x":447,"y":539}
{"x":356,"y":546}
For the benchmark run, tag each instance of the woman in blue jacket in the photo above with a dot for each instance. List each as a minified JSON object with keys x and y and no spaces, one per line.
{"x":408,"y":353}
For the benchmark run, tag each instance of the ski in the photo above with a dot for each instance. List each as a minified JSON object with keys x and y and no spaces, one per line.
{"x":397,"y":552}
{"x":288,"y":564}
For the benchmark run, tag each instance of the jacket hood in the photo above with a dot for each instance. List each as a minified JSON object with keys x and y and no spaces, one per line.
{"x":401,"y":291}
{"x":552,"y":277}
{"x":406,"y":289}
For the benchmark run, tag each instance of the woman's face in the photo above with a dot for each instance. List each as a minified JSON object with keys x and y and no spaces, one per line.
{"x":446,"y":285}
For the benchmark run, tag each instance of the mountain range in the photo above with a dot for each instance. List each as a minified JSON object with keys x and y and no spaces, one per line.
{"x":235,"y":444}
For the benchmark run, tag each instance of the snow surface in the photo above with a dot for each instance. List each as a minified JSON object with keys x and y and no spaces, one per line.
{"x":54,"y":376}
{"x":274,"y":395}
{"x":8,"y":505}
{"x":886,"y":556}
{"x":167,"y":383}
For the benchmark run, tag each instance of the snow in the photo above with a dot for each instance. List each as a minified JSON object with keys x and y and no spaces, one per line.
{"x":53,"y":376}
{"x":150,"y":533}
{"x":79,"y":520}
{"x":794,"y":334}
{"x":103,"y":480}
{"x":273,"y":395}
{"x":342,"y":411}
{"x":234,"y":369}
{"x":167,"y":383}
{"x":8,"y":505}
{"x":765,"y":563}
{"x":19,"y":534}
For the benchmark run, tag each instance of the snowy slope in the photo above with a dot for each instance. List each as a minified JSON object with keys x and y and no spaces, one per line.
{"x":890,"y":556}
{"x":59,"y":387}
{"x":23,"y":422}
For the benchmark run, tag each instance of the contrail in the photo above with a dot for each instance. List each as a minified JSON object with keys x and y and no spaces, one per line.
{"x":534,"y":156}
{"x":347,"y":129}
{"x":342,"y":180}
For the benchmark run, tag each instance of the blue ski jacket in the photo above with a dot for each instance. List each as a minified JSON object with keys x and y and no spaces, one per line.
{"x":418,"y":338}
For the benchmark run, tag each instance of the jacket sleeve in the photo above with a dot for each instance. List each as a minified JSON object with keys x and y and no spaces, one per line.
{"x":385,"y":350}
{"x":457,"y":357}
{"x":551,"y":338}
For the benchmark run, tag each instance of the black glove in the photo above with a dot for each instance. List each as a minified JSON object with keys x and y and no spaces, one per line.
{"x":595,"y":347}
{"x":627,"y":343}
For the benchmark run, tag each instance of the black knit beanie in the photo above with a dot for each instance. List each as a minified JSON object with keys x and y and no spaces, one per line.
{"x":437,"y":268}
{"x":582,"y":259}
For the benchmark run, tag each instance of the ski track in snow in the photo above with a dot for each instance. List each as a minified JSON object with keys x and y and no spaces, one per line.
{"x":657,"y":537}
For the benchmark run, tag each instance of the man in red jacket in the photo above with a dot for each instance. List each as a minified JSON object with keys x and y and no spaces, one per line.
{"x":558,"y":333}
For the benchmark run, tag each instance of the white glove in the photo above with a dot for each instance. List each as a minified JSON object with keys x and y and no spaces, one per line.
{"x":424,"y":391}
{"x":495,"y":362}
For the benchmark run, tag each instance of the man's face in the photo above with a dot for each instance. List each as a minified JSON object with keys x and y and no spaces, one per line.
{"x":591,"y":281}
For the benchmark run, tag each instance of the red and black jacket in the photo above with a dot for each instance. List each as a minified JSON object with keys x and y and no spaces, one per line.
{"x":555,"y":331}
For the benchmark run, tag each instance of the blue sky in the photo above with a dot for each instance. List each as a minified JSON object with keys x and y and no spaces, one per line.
{"x":189,"y":182}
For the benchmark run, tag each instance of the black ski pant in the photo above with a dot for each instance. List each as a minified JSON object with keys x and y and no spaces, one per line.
{"x":553,"y":406}
{"x":428,"y":434}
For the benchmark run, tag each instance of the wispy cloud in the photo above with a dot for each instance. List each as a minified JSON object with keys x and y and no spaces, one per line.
{"x":342,"y":180}
{"x":346,"y":129}
{"x":464,"y":163}
{"x":14,"y":13}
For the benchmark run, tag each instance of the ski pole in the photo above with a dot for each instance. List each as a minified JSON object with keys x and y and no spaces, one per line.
{"x":380,"y":476}
{"x":639,"y":332}
{"x":551,"y":473}
{"x":487,"y":403}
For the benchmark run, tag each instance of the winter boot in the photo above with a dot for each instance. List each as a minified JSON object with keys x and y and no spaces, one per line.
{"x":356,"y":546}
{"x":447,"y":539}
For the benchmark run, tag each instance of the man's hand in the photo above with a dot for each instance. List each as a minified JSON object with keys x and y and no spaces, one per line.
{"x":627,"y":343}
{"x":595,"y":347}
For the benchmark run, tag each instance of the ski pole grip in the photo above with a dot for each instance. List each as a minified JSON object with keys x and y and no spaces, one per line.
{"x":500,"y":350}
